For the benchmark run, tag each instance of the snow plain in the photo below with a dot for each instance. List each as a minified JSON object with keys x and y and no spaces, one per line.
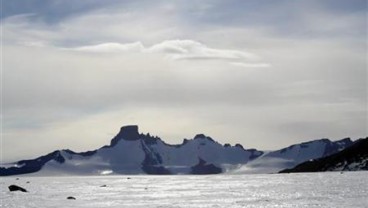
{"x":331,"y":189}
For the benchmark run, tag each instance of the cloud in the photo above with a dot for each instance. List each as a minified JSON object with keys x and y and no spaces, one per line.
{"x":112,"y":48}
{"x":189,"y":49}
{"x":179,"y":50}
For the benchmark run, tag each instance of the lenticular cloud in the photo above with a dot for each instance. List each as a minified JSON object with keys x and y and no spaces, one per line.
{"x":179,"y":50}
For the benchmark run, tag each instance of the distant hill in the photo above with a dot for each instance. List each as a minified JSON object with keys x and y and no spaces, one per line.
{"x":131,"y":152}
{"x":288,"y":157}
{"x":353,"y":158}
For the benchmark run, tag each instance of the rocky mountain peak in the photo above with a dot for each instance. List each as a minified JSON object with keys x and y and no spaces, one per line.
{"x":129,"y":133}
{"x":202,"y":136}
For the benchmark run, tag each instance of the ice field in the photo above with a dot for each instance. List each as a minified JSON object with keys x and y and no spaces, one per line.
{"x":267,"y":190}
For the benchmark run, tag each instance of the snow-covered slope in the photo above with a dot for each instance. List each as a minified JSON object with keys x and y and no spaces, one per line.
{"x":134,"y":153}
{"x":353,"y":158}
{"x":274,"y":161}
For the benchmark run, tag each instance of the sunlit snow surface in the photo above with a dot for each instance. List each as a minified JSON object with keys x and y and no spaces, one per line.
{"x":273,"y":190}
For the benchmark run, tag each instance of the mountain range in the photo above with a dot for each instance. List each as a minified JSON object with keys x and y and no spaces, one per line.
{"x":131,"y":152}
{"x":354,"y":157}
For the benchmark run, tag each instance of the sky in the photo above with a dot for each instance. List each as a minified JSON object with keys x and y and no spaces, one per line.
{"x":262,"y":73}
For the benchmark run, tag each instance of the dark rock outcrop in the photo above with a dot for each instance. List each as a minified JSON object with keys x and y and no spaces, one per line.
{"x":127,"y":133}
{"x":202,"y":136}
{"x":16,"y":188}
{"x":203,"y":168}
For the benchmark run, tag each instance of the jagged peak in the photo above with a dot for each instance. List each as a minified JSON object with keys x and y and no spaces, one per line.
{"x":129,"y":133}
{"x":345,"y":140}
{"x":202,"y":136}
{"x":148,"y":139}
{"x":185,"y":141}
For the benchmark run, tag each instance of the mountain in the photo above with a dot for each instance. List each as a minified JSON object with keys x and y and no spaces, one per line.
{"x":131,"y":152}
{"x":352,"y":158}
{"x":274,"y":161}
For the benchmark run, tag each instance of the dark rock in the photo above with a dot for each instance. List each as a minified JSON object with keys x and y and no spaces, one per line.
{"x":129,"y":133}
{"x":16,"y":188}
{"x":149,"y":140}
{"x":254,"y":153}
{"x":155,"y":170}
{"x":203,"y":168}
{"x":199,"y":136}
{"x":239,"y":145}
{"x":27,"y":182}
{"x":202,"y":136}
{"x":71,"y":198}
{"x":103,"y":186}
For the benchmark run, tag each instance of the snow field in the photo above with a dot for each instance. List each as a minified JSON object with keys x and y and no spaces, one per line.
{"x":331,"y":189}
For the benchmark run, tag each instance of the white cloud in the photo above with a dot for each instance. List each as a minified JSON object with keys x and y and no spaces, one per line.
{"x":179,"y":50}
{"x":189,"y":49}
{"x":112,"y":48}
